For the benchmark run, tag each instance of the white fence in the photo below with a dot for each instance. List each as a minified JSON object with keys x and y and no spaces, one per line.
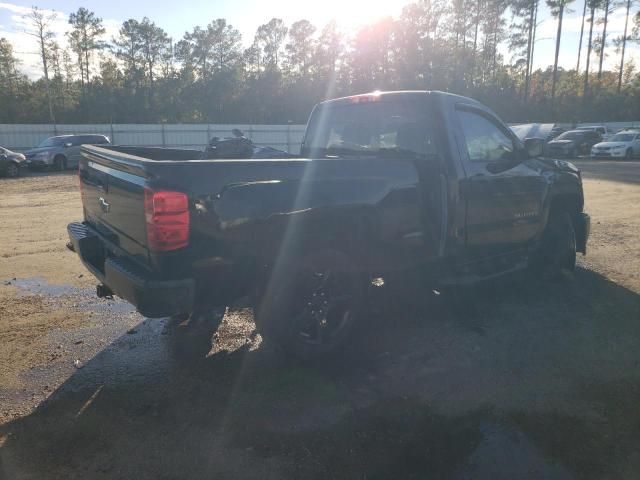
{"x":283,"y":137}
{"x":613,"y":126}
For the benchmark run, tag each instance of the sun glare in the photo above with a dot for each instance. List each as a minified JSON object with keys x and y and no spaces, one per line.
{"x":349,"y":14}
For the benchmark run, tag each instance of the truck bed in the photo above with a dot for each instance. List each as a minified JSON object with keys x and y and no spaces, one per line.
{"x":244,"y":212}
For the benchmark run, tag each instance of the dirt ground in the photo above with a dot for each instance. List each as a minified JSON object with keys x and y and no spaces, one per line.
{"x":516,"y":379}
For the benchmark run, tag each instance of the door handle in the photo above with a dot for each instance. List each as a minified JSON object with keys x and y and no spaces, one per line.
{"x":104,"y":205}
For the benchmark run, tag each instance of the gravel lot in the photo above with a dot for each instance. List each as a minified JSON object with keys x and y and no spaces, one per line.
{"x":516,"y":379}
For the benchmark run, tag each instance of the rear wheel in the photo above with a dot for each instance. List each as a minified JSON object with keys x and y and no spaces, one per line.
{"x":12,"y":170}
{"x":60,"y":163}
{"x":557,"y":249}
{"x":310,"y":306}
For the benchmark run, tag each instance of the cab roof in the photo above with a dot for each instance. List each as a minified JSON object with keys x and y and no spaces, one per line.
{"x":379,"y":95}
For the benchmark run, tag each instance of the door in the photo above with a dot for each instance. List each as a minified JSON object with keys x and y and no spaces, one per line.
{"x":73,"y":152}
{"x":504,"y":194}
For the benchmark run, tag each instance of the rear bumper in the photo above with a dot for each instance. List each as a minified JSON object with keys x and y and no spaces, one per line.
{"x":582,"y":225}
{"x":152,"y":297}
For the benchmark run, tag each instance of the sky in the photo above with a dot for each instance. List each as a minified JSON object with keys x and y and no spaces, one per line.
{"x":176,"y":17}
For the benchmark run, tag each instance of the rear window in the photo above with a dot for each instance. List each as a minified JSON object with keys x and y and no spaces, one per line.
{"x":572,"y":135}
{"x":54,"y":142}
{"x":90,"y":140}
{"x":369,"y":128}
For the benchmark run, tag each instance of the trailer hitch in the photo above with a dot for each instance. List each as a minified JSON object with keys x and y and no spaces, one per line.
{"x":102,"y":291}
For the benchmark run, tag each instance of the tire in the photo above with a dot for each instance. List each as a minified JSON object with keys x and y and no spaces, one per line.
{"x":60,"y":163}
{"x":628,"y":154}
{"x":557,"y":249}
{"x":13,"y":170}
{"x":310,"y":306}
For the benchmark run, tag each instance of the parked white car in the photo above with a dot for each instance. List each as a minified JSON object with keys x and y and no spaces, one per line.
{"x":621,"y":145}
{"x":601,"y":129}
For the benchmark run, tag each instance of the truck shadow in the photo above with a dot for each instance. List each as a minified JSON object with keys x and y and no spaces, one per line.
{"x":527,"y":377}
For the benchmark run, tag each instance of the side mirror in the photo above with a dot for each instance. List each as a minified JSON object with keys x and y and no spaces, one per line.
{"x":534,"y":147}
{"x":68,"y":144}
{"x":509,"y":160}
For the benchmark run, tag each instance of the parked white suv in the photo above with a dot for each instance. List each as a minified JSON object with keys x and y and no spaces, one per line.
{"x":601,"y":129}
{"x":623,"y":144}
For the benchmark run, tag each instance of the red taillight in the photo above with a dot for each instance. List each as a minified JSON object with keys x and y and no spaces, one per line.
{"x":167,"y":217}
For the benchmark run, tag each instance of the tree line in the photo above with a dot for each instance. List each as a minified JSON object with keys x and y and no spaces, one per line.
{"x":142,"y":75}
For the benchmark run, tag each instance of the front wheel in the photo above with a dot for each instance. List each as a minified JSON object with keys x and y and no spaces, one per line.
{"x":557,"y":249}
{"x":60,"y":163}
{"x":310,"y":306}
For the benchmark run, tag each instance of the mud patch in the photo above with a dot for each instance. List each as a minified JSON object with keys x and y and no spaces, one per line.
{"x":25,"y":322}
{"x":47,"y":331}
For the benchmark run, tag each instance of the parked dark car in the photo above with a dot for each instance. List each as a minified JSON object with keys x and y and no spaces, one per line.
{"x":573,"y":143}
{"x":544,"y":131}
{"x":389,"y":187}
{"x":63,"y":151}
{"x":11,"y":163}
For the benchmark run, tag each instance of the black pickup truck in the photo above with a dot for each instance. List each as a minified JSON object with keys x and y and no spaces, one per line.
{"x":387,"y":184}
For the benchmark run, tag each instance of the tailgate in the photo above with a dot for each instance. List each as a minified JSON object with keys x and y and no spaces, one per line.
{"x":113,"y":202}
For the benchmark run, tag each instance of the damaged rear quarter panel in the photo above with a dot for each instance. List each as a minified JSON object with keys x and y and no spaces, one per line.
{"x":359,"y":205}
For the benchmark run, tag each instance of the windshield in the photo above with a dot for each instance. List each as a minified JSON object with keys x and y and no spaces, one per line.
{"x":367,"y":129}
{"x":571,"y":136}
{"x":623,"y":137}
{"x":52,"y":142}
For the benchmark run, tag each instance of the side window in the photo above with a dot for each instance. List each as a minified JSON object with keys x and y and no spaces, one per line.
{"x":485,"y":140}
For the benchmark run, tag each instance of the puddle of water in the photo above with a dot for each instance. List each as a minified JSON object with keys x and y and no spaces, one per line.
{"x":86,"y":297}
{"x":109,"y":320}
{"x":39,"y":286}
